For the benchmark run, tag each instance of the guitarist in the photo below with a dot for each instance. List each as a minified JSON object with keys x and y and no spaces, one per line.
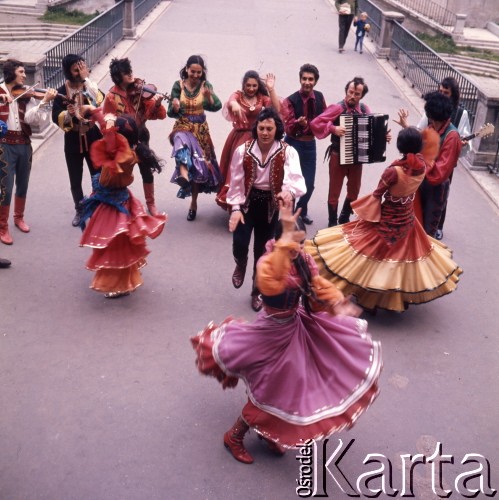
{"x":459,"y":118}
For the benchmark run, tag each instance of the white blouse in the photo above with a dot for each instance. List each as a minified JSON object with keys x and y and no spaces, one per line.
{"x":293,"y":179}
{"x":36,"y":113}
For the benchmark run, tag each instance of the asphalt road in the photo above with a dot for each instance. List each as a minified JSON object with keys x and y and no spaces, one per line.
{"x":100,"y":399}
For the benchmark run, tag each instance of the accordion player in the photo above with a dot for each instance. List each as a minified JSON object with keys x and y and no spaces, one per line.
{"x":364,"y":140}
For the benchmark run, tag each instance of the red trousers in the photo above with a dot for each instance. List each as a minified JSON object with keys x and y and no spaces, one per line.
{"x":337,"y":174}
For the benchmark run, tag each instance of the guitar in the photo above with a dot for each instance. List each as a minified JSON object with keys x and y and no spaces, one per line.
{"x":485,"y":131}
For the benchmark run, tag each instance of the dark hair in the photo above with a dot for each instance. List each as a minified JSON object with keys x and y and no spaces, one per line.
{"x":451,"y":84}
{"x":9,"y":69}
{"x":139,"y":137}
{"x":67,"y":62}
{"x":261,"y":86}
{"x":302,"y":268}
{"x":310,"y":68}
{"x":193,"y":60}
{"x":118,"y":68}
{"x":410,"y":140}
{"x":438,"y":107}
{"x":358,"y":80}
{"x":267,"y":114}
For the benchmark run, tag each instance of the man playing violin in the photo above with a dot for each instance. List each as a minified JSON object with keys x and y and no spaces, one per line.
{"x":15,"y":147}
{"x":68,"y":113}
{"x":127,"y":97}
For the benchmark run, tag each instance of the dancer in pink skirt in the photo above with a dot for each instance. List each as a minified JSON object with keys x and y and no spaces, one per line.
{"x":309,"y":365}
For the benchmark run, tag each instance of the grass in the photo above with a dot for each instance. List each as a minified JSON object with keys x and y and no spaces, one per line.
{"x":445,"y":45}
{"x":61,"y":15}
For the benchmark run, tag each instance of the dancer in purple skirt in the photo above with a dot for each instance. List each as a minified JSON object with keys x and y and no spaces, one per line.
{"x":309,"y":365}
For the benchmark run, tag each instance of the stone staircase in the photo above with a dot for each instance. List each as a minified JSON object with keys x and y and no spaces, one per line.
{"x":21,"y":10}
{"x":472,"y":65}
{"x":35,"y":31}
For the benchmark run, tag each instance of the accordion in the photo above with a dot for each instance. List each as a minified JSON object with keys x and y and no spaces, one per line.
{"x":364,"y":140}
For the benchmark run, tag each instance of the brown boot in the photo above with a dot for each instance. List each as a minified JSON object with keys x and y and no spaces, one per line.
{"x":19,"y":204}
{"x":149,"y":194}
{"x":233,"y":441}
{"x":239,"y":272}
{"x":5,"y":236}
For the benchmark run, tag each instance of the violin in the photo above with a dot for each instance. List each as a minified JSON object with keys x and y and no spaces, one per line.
{"x":139,"y":88}
{"x":23,"y":92}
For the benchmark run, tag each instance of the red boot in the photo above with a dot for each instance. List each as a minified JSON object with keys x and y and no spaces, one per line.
{"x":149,"y":195}
{"x":5,"y":236}
{"x":19,"y":204}
{"x":233,"y":441}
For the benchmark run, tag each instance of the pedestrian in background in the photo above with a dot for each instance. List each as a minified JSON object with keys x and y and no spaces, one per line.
{"x":346,"y":12}
{"x":362,"y":27}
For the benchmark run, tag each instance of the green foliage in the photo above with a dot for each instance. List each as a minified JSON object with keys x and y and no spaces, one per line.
{"x":61,"y":15}
{"x":439,"y":43}
{"x":445,"y":45}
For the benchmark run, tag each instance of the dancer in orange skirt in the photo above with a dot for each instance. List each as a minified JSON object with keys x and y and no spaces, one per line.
{"x":385,"y":258}
{"x":118,"y":224}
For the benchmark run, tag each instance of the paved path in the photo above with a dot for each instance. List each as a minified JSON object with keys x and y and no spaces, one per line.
{"x":101,"y":400}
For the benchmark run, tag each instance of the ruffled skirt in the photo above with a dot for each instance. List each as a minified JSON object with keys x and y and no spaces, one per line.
{"x":306,"y":377}
{"x":360,"y":260}
{"x":118,"y":243}
{"x":202,"y":168}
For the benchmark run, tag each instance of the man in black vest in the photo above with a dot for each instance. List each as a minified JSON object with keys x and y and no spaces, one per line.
{"x":299,"y":109}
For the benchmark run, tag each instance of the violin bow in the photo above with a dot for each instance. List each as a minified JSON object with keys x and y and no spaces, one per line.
{"x":26,"y":91}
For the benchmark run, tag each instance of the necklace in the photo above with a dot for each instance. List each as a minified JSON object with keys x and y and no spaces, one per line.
{"x":251,"y":105}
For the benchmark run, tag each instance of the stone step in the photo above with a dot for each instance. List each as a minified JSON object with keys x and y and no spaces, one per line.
{"x":19,"y":10}
{"x":26,"y":28}
{"x":473,"y":66}
{"x":480,"y":44}
{"x":39,"y":31}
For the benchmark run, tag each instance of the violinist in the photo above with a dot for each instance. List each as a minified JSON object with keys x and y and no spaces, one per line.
{"x":73,"y":97}
{"x":127,"y":97}
{"x":15,"y":147}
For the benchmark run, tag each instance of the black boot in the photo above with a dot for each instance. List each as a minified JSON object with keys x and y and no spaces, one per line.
{"x":333,"y":215}
{"x":346,"y":211}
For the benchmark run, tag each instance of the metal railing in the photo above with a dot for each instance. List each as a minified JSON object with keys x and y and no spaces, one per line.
{"x":430,"y":10}
{"x":425,"y":69}
{"x":91,"y":41}
{"x":375,"y":17}
{"x":143,"y":7}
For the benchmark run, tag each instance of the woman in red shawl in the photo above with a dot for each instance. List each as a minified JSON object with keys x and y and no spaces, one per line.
{"x":385,"y":258}
{"x":242,"y":109}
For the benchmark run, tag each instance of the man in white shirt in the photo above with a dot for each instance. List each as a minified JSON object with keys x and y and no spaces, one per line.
{"x":15,"y":147}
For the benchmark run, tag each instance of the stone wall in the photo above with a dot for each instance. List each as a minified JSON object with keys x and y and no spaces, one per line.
{"x":478,"y":15}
